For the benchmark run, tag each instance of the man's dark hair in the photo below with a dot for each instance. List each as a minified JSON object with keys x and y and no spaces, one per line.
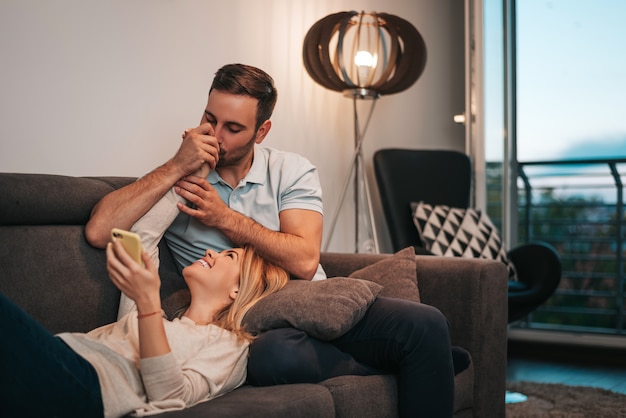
{"x":248,"y":81}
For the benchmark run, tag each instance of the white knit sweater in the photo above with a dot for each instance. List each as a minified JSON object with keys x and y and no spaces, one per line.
{"x":206,"y":361}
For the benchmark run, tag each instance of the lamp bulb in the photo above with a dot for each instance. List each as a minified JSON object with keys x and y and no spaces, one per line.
{"x":364,"y":59}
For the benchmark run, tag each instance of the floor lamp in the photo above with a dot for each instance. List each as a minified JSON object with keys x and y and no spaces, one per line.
{"x":365,"y":56}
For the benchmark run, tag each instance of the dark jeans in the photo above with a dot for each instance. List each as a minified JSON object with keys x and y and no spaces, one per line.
{"x":41,"y":375}
{"x":408,"y":339}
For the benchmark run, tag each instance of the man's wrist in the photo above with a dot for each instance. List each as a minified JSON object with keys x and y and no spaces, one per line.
{"x":237,"y":227}
{"x":173,"y":170}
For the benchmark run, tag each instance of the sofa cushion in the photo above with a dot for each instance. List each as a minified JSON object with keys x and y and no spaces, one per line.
{"x":364,"y":396}
{"x":324,"y":309}
{"x":68,"y":200}
{"x":302,"y":400}
{"x":376,"y":396}
{"x":396,"y":274}
{"x":53,"y":274}
{"x":457,"y":232}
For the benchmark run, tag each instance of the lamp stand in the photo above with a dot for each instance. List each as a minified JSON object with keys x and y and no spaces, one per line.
{"x":369,"y":242}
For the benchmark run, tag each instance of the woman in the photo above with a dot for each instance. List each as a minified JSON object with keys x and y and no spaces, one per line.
{"x":143,"y":363}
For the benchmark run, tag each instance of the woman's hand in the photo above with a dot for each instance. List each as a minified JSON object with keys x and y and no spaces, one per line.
{"x":139,"y":283}
{"x":142,"y":285}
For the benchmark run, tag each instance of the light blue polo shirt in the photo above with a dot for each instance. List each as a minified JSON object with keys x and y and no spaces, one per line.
{"x":277,"y":181}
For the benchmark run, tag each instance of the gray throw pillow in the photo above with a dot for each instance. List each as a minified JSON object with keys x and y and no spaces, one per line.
{"x":324,"y":309}
{"x":396,"y":274}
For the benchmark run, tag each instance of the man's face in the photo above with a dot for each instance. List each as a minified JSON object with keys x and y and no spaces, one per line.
{"x":233,"y":118}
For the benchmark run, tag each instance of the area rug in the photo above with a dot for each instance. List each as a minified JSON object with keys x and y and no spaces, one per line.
{"x":547,"y":400}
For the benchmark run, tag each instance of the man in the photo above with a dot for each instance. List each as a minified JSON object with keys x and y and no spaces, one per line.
{"x":272,"y":200}
{"x":230,"y":126}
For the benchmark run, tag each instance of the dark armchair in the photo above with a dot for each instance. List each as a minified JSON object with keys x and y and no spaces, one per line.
{"x":443,"y":177}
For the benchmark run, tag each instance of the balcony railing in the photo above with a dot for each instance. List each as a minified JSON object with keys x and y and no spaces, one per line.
{"x":578,"y":207}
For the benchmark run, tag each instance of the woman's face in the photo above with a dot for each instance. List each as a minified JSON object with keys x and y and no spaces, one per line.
{"x":215,"y":273}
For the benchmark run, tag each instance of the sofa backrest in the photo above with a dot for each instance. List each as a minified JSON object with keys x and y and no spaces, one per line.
{"x":46,"y":265}
{"x":48,"y":268}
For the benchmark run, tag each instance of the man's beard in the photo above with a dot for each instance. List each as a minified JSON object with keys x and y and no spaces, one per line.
{"x":234,"y":157}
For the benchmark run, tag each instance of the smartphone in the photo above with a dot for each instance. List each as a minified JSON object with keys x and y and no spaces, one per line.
{"x":130,"y":241}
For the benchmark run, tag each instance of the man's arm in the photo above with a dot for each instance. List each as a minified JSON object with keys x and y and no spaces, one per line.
{"x":123,"y":207}
{"x":295,"y":248}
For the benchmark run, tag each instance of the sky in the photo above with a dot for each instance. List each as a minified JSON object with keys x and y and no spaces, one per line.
{"x":571,"y":79}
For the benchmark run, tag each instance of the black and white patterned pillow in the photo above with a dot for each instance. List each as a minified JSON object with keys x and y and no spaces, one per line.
{"x":459,"y":232}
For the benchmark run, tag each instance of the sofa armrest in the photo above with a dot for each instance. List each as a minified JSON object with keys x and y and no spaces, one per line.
{"x":472,"y":294}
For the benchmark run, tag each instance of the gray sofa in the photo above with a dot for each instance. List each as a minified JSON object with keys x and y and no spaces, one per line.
{"x":49,"y":269}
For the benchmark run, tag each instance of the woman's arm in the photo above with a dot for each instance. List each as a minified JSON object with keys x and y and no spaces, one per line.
{"x":141,"y":284}
{"x":217,"y":367}
{"x":151,"y":227}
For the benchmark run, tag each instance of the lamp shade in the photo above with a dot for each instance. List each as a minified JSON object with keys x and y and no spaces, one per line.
{"x":375,"y":53}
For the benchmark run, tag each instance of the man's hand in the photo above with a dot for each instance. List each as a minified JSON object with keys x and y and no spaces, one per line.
{"x":199,"y":146}
{"x":198,"y":153}
{"x":300,"y":230}
{"x":208,"y":206}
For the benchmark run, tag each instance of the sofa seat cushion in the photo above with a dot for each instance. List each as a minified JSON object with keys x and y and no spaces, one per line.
{"x":293,"y":401}
{"x":376,"y":396}
{"x":464,"y":392}
{"x":364,"y":396}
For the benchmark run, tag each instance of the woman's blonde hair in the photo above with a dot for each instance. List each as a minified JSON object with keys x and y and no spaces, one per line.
{"x":258,"y":278}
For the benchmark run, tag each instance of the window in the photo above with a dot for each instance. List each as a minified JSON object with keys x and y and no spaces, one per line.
{"x":555,"y":82}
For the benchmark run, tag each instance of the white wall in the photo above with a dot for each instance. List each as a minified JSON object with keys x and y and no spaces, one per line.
{"x":92,"y":87}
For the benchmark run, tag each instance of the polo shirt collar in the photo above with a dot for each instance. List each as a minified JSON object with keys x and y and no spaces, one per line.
{"x":256,"y":174}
